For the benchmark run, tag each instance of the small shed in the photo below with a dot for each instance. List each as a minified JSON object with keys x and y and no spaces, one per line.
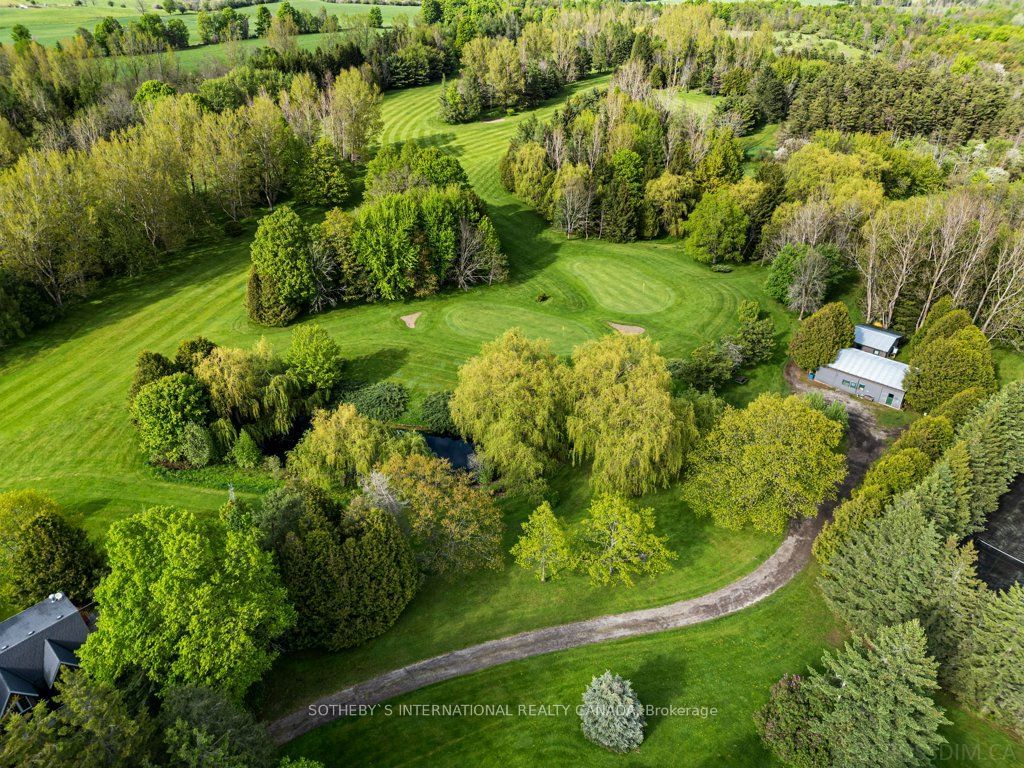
{"x":866,"y":375}
{"x":876,"y":341}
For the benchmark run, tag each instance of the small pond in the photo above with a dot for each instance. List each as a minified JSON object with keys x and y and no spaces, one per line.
{"x":456,"y":451}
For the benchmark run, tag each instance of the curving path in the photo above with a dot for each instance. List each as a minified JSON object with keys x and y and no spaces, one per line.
{"x":775,"y":572}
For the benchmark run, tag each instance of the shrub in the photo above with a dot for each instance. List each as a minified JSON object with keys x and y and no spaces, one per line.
{"x":384,"y":401}
{"x":960,"y":406}
{"x":834,"y":410}
{"x":163,"y":409}
{"x":197,"y":446}
{"x":820,"y":337}
{"x":931,"y":435}
{"x":436,"y":413}
{"x":315,"y":358}
{"x":612,"y":715}
{"x":191,"y":351}
{"x":245,"y":453}
{"x":149,"y":367}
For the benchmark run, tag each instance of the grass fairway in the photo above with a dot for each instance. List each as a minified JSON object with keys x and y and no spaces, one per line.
{"x":64,"y":428}
{"x":728,"y":665}
{"x":52,"y":21}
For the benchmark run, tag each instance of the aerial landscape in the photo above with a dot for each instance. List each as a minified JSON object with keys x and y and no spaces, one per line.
{"x":512,"y":383}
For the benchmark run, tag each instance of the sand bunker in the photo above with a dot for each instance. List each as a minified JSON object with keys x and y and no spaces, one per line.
{"x":629,"y":330}
{"x":410,"y":320}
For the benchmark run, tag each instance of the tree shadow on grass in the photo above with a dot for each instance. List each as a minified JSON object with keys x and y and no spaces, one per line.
{"x":658,"y":681}
{"x":375,"y":366}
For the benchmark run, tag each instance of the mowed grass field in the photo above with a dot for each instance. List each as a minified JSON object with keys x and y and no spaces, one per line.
{"x":52,"y":20}
{"x":727,"y":666}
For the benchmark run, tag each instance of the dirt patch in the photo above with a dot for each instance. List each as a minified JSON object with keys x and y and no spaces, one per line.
{"x":628,"y":330}
{"x":799,"y":382}
{"x":410,"y":320}
{"x":495,"y":120}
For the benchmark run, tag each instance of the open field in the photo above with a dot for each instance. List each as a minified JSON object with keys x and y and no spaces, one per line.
{"x":728,"y":665}
{"x":53,"y":21}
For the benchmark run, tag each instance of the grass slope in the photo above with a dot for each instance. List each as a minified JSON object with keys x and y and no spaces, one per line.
{"x":50,"y":22}
{"x":728,"y":665}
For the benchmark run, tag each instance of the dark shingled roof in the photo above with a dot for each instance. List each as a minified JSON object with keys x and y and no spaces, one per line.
{"x":35,"y":644}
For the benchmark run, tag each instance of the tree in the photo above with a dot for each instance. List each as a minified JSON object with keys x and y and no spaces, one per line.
{"x":884,"y":572}
{"x":163,"y":409}
{"x":376,"y":18}
{"x":774,"y":461}
{"x":756,"y":335}
{"x":622,"y":202}
{"x":672,"y":196}
{"x":871,"y":704}
{"x":454,"y":525}
{"x":276,"y":150}
{"x":152,"y":90}
{"x":47,"y":554}
{"x":91,"y":723}
{"x":436,"y":412}
{"x":717,"y":228}
{"x":282,"y":260}
{"x":203,"y":727}
{"x":353,"y":119}
{"x":510,"y":399}
{"x":949,"y":365}
{"x":323,"y":180}
{"x":188,"y":601}
{"x":263,"y":20}
{"x":342,"y":445}
{"x":222,"y":163}
{"x":930,"y":434}
{"x":543,"y":547}
{"x":617,"y":542}
{"x":612,"y":715}
{"x":349,"y":574}
{"x":818,"y":339}
{"x":624,"y":417}
{"x":991,"y":658}
{"x":149,"y":366}
{"x":316,"y":359}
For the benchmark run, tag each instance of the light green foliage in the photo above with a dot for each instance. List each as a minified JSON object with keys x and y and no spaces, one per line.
{"x":543,"y":547}
{"x":870,"y":704}
{"x":187,"y":601}
{"x":834,"y":409}
{"x":152,"y":90}
{"x":931,"y":434}
{"x":959,"y":407}
{"x":91,"y":724}
{"x":281,"y":258}
{"x":756,"y":334}
{"x":353,"y":119}
{"x":394,"y":170}
{"x":616,"y":542}
{"x":510,"y":399}
{"x":197,"y":445}
{"x":323,"y":180}
{"x":163,"y":409}
{"x":454,"y":524}
{"x":723,"y":162}
{"x":245,"y":452}
{"x":612,"y":715}
{"x":717,"y":228}
{"x":762,"y":466}
{"x":819,"y":338}
{"x":943,"y":366}
{"x":623,"y":415}
{"x":340,"y":446}
{"x":672,"y":197}
{"x":315,"y":358}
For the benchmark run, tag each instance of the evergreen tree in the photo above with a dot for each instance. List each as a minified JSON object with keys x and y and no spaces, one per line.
{"x":612,"y":715}
{"x":819,"y":338}
{"x":957,"y":598}
{"x":543,"y":547}
{"x":884,"y":573}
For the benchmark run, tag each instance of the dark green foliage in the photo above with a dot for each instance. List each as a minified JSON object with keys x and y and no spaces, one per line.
{"x":245,"y":452}
{"x":277,"y":514}
{"x":197,"y":446}
{"x":622,"y":202}
{"x":819,"y":338}
{"x":51,"y":555}
{"x":203,"y":727}
{"x":756,"y":335}
{"x":943,"y":366}
{"x":718,"y":228}
{"x":191,"y":351}
{"x":883,"y":573}
{"x":384,"y":401}
{"x":282,"y":282}
{"x":958,"y":597}
{"x":710,"y":365}
{"x":349,"y":576}
{"x":149,"y":367}
{"x":436,"y":413}
{"x":163,"y":409}
{"x":871,"y":704}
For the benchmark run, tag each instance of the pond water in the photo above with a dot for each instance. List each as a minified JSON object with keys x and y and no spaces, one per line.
{"x":456,"y":451}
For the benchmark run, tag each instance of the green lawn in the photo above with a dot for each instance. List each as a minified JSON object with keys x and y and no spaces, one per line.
{"x":52,"y":21}
{"x":728,"y":665}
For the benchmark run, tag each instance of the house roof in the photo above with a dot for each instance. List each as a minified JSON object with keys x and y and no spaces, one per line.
{"x":876,"y":338}
{"x":36,"y":643}
{"x":864,"y":365}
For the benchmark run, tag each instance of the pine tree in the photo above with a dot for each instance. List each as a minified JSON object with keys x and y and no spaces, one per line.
{"x":543,"y":547}
{"x":612,"y":715}
{"x":945,"y":494}
{"x":884,"y":572}
{"x":989,"y":672}
{"x":957,"y":597}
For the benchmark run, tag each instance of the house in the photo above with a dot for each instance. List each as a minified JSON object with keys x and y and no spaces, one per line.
{"x":877,"y":341}
{"x":871,"y":376}
{"x":35,"y":645}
